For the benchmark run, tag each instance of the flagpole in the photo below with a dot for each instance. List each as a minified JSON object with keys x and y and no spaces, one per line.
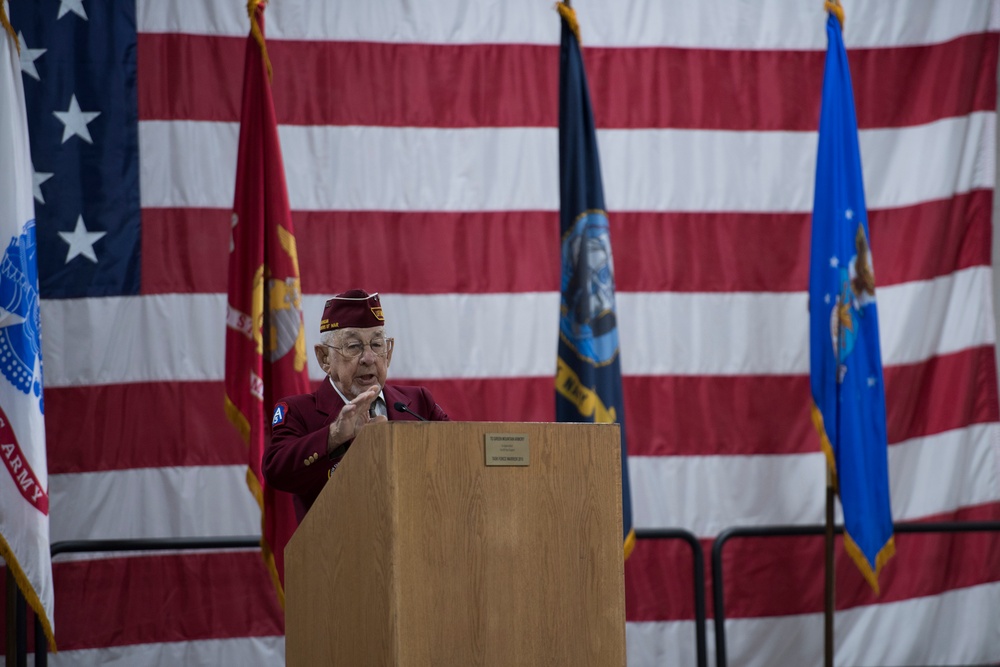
{"x":11,"y":626}
{"x":828,"y":554}
{"x":835,"y":7}
{"x":829,"y":593}
{"x":831,"y":491}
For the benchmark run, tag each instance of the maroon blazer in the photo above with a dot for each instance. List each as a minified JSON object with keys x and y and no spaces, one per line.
{"x":295,"y":459}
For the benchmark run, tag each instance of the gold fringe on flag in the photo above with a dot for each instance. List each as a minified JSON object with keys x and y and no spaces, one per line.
{"x":5,"y":22}
{"x":239,"y":420}
{"x":569,"y":15}
{"x":265,"y":548}
{"x":27,"y":590}
{"x":835,"y":8}
{"x":258,"y":35}
{"x":888,"y":550}
{"x":629,"y":543}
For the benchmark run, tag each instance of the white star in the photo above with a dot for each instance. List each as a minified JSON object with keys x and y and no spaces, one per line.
{"x":75,"y":6}
{"x":834,"y":262}
{"x":849,"y":214}
{"x":28,"y":58}
{"x":826,"y":298}
{"x":871,"y":381}
{"x":81,"y":242}
{"x":75,"y":121}
{"x":39,"y":177}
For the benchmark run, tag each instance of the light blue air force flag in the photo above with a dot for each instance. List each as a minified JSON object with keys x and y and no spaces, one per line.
{"x":24,"y":500}
{"x":845,"y":358}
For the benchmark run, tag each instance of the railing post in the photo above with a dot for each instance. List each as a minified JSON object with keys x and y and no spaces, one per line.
{"x":22,"y":626}
{"x":719,"y":598}
{"x":698,"y":567}
{"x":10,"y":630}
{"x":41,"y":644}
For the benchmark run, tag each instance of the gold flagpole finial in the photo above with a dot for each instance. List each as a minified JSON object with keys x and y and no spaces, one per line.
{"x":569,"y":15}
{"x":5,"y":22}
{"x":258,"y":35}
{"x":835,"y":8}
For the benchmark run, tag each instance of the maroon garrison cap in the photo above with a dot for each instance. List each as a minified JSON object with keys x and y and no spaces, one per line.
{"x":354,"y":308}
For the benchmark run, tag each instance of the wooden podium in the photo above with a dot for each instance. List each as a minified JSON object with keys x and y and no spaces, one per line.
{"x":418,"y":553}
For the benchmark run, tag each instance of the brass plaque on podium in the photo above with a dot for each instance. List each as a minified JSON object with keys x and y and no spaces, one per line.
{"x":507,"y":449}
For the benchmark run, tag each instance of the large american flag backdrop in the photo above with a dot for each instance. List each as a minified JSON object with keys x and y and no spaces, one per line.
{"x":420,"y":149}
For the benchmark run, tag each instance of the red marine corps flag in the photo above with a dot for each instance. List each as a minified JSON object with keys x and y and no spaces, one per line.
{"x":265,"y":338}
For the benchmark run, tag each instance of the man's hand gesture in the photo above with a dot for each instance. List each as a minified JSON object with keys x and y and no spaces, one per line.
{"x":352,"y":418}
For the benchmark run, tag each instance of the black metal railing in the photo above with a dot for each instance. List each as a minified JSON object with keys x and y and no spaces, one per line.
{"x":718,"y":590}
{"x":698,"y":567}
{"x":97,"y":546}
{"x":18,"y":604}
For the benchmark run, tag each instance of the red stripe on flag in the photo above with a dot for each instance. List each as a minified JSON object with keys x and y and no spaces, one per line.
{"x":185,"y":250}
{"x":701,"y":415}
{"x":190,"y":77}
{"x":959,"y":69}
{"x":924,"y":565}
{"x":163,"y":598}
{"x":942,"y":393}
{"x":144,"y":425}
{"x":709,"y":88}
{"x":110,"y":427}
{"x":769,"y":252}
{"x":487,"y":251}
{"x":514,"y":85}
{"x":769,"y":414}
{"x":931,"y":239}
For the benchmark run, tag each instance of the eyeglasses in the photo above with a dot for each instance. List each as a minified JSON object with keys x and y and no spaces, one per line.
{"x":379,"y":346}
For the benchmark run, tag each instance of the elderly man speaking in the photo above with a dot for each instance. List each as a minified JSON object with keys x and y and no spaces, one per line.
{"x":310,"y":433}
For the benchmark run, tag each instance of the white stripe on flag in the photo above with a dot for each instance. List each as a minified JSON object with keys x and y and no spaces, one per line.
{"x":243,"y":651}
{"x":93,"y":341}
{"x":707,"y":494}
{"x":194,"y":501}
{"x":718,"y":24}
{"x":946,"y":629}
{"x":446,"y":169}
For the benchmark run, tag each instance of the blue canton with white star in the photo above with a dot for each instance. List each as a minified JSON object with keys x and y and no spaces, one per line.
{"x":78,"y":65}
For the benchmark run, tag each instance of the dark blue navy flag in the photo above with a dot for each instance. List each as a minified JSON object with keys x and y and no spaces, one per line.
{"x":845,"y":357}
{"x":588,"y":376}
{"x":78,"y":63}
